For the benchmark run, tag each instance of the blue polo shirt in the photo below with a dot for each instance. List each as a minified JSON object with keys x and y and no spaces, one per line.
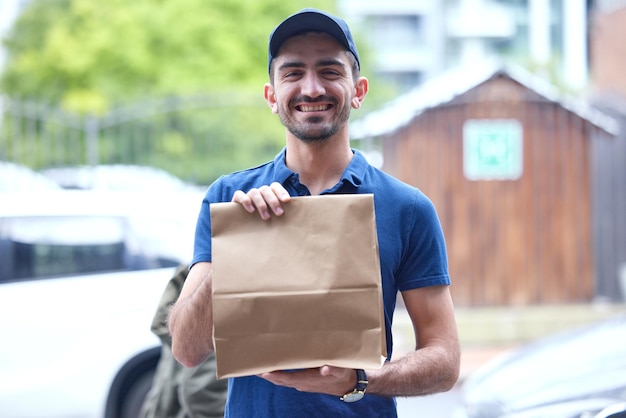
{"x":412,"y":255}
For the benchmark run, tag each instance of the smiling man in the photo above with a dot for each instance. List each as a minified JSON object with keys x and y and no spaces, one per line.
{"x":314,"y":84}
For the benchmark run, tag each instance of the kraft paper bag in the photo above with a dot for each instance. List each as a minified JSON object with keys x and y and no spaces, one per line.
{"x":298,"y":291}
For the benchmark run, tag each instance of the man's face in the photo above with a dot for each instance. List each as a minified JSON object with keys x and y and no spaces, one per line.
{"x":313,"y":86}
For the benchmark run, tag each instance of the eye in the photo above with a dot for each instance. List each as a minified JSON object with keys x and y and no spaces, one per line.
{"x":331,"y":73}
{"x":290,"y":75}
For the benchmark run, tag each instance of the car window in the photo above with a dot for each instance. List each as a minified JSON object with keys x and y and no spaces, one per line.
{"x":38,"y":247}
{"x":35,"y":260}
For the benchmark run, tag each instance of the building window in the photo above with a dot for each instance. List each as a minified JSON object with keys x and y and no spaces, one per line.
{"x":402,"y":80}
{"x":397,"y":31}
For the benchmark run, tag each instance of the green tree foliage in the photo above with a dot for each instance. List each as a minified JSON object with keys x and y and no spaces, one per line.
{"x":90,"y":55}
{"x":94,"y":57}
{"x":114,"y":57}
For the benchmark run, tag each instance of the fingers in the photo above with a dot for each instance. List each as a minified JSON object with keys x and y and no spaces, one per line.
{"x":263,"y":199}
{"x":325,"y":379}
{"x":280,"y":192}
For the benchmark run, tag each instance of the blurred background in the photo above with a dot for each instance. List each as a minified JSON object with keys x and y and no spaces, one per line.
{"x":509,"y":114}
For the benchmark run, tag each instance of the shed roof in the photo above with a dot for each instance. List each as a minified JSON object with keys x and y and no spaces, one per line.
{"x":443,"y":89}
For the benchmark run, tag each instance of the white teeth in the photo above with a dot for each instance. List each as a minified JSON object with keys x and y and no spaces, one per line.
{"x":313,"y":108}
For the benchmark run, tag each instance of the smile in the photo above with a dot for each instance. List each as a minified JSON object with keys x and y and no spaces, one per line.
{"x":310,"y":108}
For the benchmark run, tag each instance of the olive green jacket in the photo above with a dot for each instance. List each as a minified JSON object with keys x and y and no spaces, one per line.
{"x":178,"y":391}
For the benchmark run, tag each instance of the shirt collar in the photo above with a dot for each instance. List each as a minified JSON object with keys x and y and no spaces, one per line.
{"x":281,"y":172}
{"x":353,"y":174}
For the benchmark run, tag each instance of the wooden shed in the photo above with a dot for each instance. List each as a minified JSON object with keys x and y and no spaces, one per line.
{"x":510,"y":166}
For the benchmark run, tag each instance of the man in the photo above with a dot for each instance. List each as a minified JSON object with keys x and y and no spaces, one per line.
{"x":314,"y":83}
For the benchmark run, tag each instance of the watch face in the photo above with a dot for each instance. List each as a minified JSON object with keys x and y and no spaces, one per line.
{"x":352,"y":397}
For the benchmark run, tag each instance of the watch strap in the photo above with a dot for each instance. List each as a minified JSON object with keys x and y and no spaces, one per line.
{"x":361,"y":380}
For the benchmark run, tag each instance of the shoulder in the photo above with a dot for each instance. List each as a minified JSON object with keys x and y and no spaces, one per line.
{"x":393,"y":190}
{"x":222,"y":189}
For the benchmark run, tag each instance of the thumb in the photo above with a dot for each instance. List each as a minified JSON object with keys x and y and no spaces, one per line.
{"x":325,"y":371}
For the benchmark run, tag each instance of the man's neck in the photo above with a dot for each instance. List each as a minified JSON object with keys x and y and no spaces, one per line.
{"x":319,"y":165}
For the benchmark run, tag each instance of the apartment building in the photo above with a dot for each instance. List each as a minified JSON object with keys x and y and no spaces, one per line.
{"x":414,"y":40}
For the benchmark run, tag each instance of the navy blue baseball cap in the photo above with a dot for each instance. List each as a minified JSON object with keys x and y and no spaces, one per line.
{"x":311,"y":20}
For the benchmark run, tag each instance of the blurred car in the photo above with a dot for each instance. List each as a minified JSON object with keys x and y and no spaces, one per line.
{"x":81,"y":275}
{"x":120,"y":177}
{"x":574,"y":374}
{"x":15,"y":177}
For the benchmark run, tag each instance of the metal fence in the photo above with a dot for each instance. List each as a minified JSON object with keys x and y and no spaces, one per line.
{"x":195,"y":137}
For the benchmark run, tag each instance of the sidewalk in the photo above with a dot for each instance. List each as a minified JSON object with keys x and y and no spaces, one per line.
{"x":485,"y":333}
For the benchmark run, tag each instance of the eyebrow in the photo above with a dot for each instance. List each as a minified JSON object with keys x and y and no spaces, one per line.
{"x":322,"y":63}
{"x":331,"y":62}
{"x":293,"y":64}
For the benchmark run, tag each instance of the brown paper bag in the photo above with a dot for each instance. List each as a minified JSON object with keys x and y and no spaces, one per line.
{"x":301,"y":290}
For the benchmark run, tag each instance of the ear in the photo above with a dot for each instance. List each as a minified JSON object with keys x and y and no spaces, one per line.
{"x":360,"y":91}
{"x":270,"y":97}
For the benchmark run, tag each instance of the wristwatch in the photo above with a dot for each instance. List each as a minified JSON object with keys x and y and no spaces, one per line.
{"x":359,"y":391}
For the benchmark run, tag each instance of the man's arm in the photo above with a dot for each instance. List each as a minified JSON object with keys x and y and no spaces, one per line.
{"x":434,"y":366}
{"x":191,"y":318}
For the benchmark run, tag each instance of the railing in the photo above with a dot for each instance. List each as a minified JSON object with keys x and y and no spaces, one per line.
{"x":196,"y":137}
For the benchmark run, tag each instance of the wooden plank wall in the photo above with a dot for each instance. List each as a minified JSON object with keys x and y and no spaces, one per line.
{"x":609,"y":211}
{"x":519,"y":242}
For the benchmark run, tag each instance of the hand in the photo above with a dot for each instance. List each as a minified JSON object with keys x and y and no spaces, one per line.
{"x":326,"y":379}
{"x":263,"y":199}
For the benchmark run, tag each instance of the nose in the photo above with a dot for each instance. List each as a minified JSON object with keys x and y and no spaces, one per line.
{"x":312,"y":86}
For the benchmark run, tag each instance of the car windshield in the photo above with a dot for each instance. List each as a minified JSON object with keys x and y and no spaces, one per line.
{"x":65,"y":230}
